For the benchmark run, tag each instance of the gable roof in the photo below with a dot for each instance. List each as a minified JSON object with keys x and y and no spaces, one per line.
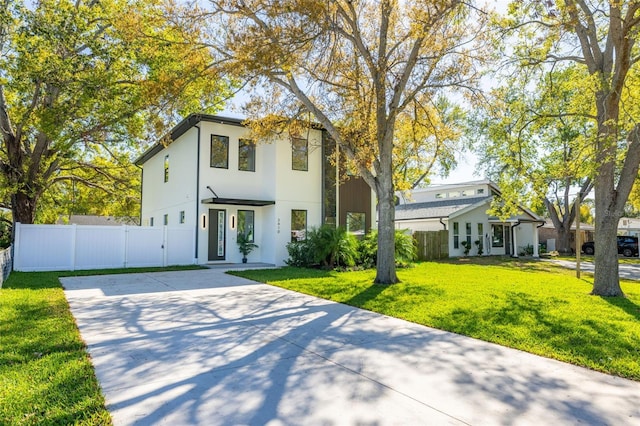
{"x":450,"y":208}
{"x":181,"y":128}
{"x":437,"y":209}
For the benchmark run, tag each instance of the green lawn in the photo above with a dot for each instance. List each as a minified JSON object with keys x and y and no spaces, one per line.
{"x":46,"y":376}
{"x":530,"y":305}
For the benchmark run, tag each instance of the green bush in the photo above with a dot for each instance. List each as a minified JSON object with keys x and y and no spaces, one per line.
{"x":326,"y":246}
{"x":333,"y":247}
{"x":300,"y":254}
{"x":405,"y":249}
{"x":5,"y":234}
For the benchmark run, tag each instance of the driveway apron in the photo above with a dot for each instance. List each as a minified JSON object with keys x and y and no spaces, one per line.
{"x":206,"y":348}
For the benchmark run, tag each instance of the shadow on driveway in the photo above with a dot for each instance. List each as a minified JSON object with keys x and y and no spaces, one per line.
{"x":202,"y":347}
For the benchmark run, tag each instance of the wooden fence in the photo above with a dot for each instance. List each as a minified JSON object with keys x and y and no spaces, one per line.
{"x":432,"y":244}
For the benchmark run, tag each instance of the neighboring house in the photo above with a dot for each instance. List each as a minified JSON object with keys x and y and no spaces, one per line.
{"x":548,"y":235}
{"x":462,"y":210}
{"x":212,"y":178}
{"x":629,"y":226}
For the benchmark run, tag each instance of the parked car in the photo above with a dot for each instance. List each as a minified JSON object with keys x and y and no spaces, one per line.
{"x":627,"y":246}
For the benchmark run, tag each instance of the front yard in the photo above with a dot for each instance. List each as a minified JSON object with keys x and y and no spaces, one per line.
{"x":46,"y":376}
{"x":529,"y":305}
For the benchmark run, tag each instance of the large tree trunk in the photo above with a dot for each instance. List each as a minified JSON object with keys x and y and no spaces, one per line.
{"x":563,"y":244}
{"x":23,"y":208}
{"x":606,"y":279}
{"x":386,"y":263}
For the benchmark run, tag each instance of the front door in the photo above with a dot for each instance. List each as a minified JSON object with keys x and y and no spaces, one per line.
{"x":217,"y":221}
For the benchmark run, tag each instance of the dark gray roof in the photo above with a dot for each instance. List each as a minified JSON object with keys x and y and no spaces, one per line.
{"x":181,"y":128}
{"x":435,"y":209}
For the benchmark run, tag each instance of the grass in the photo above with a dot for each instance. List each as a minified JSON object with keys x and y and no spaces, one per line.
{"x":529,"y":305}
{"x":46,"y":376}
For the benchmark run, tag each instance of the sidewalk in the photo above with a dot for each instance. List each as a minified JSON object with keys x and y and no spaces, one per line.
{"x":205,"y":348}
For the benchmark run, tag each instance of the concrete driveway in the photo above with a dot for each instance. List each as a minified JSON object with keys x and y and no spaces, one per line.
{"x":202,"y":347}
{"x":629,"y":271}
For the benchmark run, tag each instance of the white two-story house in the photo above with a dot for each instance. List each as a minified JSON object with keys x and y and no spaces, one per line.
{"x":210,"y":176}
{"x":462,"y":210}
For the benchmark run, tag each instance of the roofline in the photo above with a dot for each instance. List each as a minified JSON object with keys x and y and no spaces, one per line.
{"x":183,"y":127}
{"x":186,"y":124}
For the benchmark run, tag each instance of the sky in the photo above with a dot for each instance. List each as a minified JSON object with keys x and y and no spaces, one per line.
{"x":467,"y":168}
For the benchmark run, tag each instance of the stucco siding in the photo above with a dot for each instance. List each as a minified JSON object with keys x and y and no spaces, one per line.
{"x":178,"y":193}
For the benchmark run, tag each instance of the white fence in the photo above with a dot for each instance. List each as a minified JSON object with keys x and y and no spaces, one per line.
{"x":75,"y":247}
{"x":5,"y":264}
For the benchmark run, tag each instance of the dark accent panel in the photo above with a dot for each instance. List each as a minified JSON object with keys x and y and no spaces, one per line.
{"x":238,"y":202}
{"x":328,"y":181}
{"x":355,"y":196}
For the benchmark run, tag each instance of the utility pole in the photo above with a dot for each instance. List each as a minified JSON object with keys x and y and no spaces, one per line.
{"x":578,"y":243}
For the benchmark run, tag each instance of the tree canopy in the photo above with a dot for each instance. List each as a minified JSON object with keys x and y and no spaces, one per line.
{"x":600,"y":38}
{"x":80,"y":81}
{"x":364,"y":70}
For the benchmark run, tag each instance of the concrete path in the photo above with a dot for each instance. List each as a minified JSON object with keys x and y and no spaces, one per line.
{"x":629,"y":271}
{"x":205,"y":348}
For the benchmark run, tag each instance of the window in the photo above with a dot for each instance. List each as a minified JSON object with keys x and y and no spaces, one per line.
{"x":468,"y":192}
{"x":166,"y":168}
{"x":246,"y":155}
{"x":356,"y":223}
{"x":441,"y":195}
{"x":480,"y":232}
{"x":468,"y":229}
{"x":246,"y":224}
{"x":298,"y":225}
{"x":497,"y":239}
{"x":480,"y":191}
{"x":454,"y":194}
{"x":182,"y":216}
{"x":299,"y":154}
{"x":220,"y":151}
{"x":166,"y":219}
{"x":151,"y":222}
{"x":456,"y":235}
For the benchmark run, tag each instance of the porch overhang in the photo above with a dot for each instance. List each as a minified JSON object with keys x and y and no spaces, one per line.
{"x":238,"y":202}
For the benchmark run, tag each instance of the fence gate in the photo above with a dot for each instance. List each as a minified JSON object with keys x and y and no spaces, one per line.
{"x":432,"y":245}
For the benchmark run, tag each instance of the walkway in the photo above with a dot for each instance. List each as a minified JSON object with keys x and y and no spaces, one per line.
{"x":628,"y":271}
{"x":202,"y":347}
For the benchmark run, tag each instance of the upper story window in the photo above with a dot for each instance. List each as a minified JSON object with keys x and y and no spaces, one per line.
{"x":480,"y":191}
{"x":441,"y":195}
{"x":246,"y":155}
{"x":468,"y":192}
{"x":220,"y":151}
{"x":454,"y":194}
{"x":299,"y":154}
{"x":166,"y":168}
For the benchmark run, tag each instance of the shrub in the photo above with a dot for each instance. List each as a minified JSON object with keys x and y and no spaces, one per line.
{"x":405,"y":249}
{"x":5,"y":234}
{"x":327,"y":246}
{"x":299,"y":254}
{"x":333,"y":247}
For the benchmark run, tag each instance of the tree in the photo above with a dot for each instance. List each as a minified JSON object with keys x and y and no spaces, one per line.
{"x":534,"y":145}
{"x":599,"y":36}
{"x":80,"y":81}
{"x":356,"y":67}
